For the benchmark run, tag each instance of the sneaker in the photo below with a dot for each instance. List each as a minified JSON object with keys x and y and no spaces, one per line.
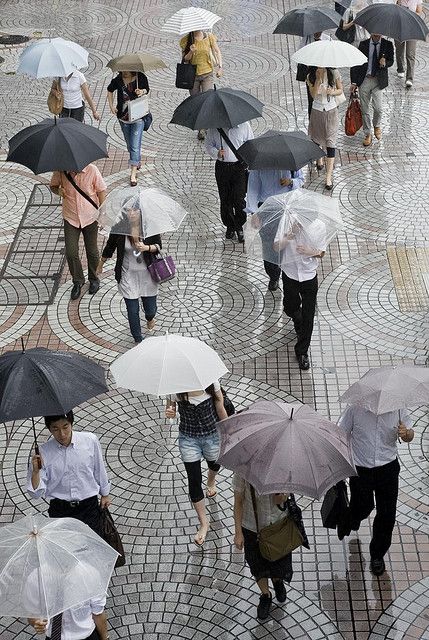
{"x":280,"y":590}
{"x":377,"y":566}
{"x":408,"y":84}
{"x":401,"y":74}
{"x":264,"y":606}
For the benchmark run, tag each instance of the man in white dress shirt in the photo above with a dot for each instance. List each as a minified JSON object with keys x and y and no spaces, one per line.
{"x":231,"y":177}
{"x":72,"y":473}
{"x":374,"y":445}
{"x":86,"y":621}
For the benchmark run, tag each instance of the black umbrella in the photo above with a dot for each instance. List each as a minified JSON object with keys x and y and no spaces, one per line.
{"x":59,"y":144}
{"x":217,"y":109}
{"x":40,"y":382}
{"x":280,"y":150}
{"x":305,"y":21}
{"x":393,"y":21}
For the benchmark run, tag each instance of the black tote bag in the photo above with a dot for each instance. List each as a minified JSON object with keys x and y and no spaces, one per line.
{"x":185,"y":75}
{"x":110,"y":534}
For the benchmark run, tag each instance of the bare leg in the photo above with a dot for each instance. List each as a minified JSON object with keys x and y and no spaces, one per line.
{"x":200,"y":536}
{"x":263,"y":585}
{"x":133,"y":176}
{"x":329,"y":169}
{"x":211,"y":483}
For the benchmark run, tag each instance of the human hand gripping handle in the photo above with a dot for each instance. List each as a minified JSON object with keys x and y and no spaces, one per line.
{"x":39,"y":624}
{"x":239,"y":540}
{"x":170,"y":410}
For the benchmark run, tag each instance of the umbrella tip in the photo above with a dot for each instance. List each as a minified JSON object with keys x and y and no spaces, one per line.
{"x":291,"y":414}
{"x":22,"y":344}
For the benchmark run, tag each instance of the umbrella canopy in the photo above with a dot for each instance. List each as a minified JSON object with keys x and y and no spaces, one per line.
{"x":50,"y":565}
{"x":217,"y":109}
{"x":299,"y":223}
{"x":139,"y":61}
{"x":168,"y":364}
{"x":40,"y":382}
{"x":393,"y":21}
{"x":329,"y":53}
{"x":386,"y":389}
{"x":279,"y":447}
{"x":62,"y":144}
{"x":52,"y":57}
{"x":305,"y":21}
{"x":190,"y":19}
{"x":280,"y":150}
{"x":141,"y":213}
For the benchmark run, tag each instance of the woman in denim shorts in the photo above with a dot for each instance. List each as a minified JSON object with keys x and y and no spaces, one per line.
{"x":199,"y":411}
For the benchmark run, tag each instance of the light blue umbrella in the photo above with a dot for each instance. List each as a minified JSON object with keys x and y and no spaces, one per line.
{"x":51,"y":58}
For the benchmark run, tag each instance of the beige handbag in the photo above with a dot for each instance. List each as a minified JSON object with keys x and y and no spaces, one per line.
{"x":56,"y":98}
{"x":340,"y":99}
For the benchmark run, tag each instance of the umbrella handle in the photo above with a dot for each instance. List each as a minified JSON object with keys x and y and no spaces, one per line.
{"x":36,"y":446}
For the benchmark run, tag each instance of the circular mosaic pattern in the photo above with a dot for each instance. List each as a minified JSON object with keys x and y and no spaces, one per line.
{"x":23,"y":115}
{"x":414,"y":459}
{"x":97,"y":69}
{"x":205,"y":300}
{"x":359,"y":301}
{"x":407,"y":617}
{"x":14,"y":193}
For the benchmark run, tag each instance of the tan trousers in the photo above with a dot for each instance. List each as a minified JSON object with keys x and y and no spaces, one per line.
{"x":202,"y":83}
{"x":409,"y":47}
{"x":371,"y":95}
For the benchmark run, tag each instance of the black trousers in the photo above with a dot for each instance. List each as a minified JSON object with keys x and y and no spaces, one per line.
{"x":272,"y":270}
{"x":231,"y":178}
{"x":94,"y":636}
{"x":76,"y":114}
{"x":383,"y":483}
{"x":310,"y":100}
{"x":195,"y":478}
{"x":299,"y":303}
{"x":87,"y":511}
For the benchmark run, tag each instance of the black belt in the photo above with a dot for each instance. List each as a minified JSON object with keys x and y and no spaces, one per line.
{"x":72,"y":503}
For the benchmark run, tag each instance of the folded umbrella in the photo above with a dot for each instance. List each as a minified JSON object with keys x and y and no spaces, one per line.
{"x":138,"y":61}
{"x":168,"y":364}
{"x":280,"y":150}
{"x":279,"y":447}
{"x":389,"y":388}
{"x":190,"y":19}
{"x":52,"y":57}
{"x":50,"y":565}
{"x":142,"y":212}
{"x":392,"y":21}
{"x":305,"y":21}
{"x":329,"y":53}
{"x":59,"y":144}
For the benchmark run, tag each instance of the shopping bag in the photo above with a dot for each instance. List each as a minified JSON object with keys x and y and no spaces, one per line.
{"x":353,"y":117}
{"x":185,"y":75}
{"x":110,"y":534}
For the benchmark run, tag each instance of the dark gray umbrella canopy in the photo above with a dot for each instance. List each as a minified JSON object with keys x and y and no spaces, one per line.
{"x":217,"y":109}
{"x":280,"y":150}
{"x":308,"y":20}
{"x":392,"y":21}
{"x":59,"y":144}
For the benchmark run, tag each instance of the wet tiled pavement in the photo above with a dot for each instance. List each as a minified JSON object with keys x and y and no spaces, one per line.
{"x":372,"y":310}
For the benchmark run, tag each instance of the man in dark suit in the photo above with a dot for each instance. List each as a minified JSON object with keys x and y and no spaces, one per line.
{"x":372,"y":78}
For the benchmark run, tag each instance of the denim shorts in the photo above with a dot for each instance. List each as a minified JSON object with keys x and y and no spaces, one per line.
{"x":196,"y":448}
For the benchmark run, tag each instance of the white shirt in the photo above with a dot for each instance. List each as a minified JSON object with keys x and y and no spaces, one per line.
{"x":72,"y":91}
{"x":298,"y":266}
{"x":201,"y":397}
{"x":135,"y":277}
{"x":323,"y":102}
{"x":71,"y":473}
{"x":238,"y":136}
{"x":268,"y":511}
{"x":373,"y":438}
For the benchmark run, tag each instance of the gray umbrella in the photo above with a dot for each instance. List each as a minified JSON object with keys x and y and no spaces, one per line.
{"x":390,"y":388}
{"x":392,"y":21}
{"x":305,"y":21}
{"x":280,"y":150}
{"x":279,"y":447}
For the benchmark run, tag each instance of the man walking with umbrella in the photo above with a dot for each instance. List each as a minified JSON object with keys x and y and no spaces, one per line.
{"x":82,"y":193}
{"x":409,"y":46}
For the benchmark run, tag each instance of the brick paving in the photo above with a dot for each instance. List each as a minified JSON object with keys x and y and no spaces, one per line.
{"x":372,"y":310}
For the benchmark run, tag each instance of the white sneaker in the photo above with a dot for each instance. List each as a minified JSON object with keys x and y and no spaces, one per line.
{"x":408,"y":84}
{"x":401,"y":74}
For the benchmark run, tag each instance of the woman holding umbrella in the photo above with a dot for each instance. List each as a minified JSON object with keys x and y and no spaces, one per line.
{"x":325,"y":85}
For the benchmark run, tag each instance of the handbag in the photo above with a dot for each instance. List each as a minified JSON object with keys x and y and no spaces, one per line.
{"x":335,"y":505}
{"x":301,"y":72}
{"x":347,"y":35}
{"x":110,"y":534}
{"x":340,"y":99}
{"x":227,"y":403}
{"x":353,"y":118}
{"x":147,"y":121}
{"x":185,"y":75}
{"x":56,"y":98}
{"x":161,"y":268}
{"x":279,"y":539}
{"x":138,"y":108}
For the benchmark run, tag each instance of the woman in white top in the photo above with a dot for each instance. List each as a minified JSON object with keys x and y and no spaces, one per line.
{"x":348,"y":21}
{"x":75,"y":88}
{"x":325,"y":85}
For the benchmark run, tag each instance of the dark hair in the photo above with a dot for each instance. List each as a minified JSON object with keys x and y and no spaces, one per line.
{"x":189,"y":41}
{"x":183,"y":397}
{"x":312,"y":75}
{"x":67,"y":416}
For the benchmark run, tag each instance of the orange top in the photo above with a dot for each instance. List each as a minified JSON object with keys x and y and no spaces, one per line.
{"x":76,"y":209}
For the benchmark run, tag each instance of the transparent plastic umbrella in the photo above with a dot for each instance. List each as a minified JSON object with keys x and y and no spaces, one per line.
{"x":143,"y":212}
{"x":50,"y":565}
{"x":298,"y":224}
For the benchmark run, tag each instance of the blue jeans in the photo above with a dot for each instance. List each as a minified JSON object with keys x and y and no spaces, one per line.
{"x":133,"y":312}
{"x":133,"y":133}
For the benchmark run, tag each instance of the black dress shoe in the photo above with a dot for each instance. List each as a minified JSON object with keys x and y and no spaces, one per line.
{"x":75,"y":292}
{"x":377,"y":566}
{"x":273,"y":285}
{"x":280,"y":590}
{"x":94,"y":286}
{"x":264,"y":606}
{"x":303,"y":361}
{"x":240,"y":235}
{"x":229,"y":234}
{"x":329,"y":187}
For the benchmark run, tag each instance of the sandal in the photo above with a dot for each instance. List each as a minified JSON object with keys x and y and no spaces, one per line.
{"x":133,"y":183}
{"x":202,"y":537}
{"x":211,"y":491}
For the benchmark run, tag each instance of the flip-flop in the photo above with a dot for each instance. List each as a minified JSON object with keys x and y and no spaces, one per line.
{"x":211,"y":491}
{"x":200,"y":544}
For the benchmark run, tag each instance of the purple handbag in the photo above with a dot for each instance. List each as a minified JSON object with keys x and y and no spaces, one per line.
{"x":162,"y":268}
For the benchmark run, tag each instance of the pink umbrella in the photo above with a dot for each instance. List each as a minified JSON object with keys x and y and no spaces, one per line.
{"x":279,"y":447}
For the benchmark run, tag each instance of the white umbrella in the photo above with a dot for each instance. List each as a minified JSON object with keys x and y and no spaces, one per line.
{"x":157,"y":212}
{"x":50,"y":565}
{"x":50,"y":58}
{"x":190,"y":19}
{"x":329,"y":53}
{"x":168,"y":364}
